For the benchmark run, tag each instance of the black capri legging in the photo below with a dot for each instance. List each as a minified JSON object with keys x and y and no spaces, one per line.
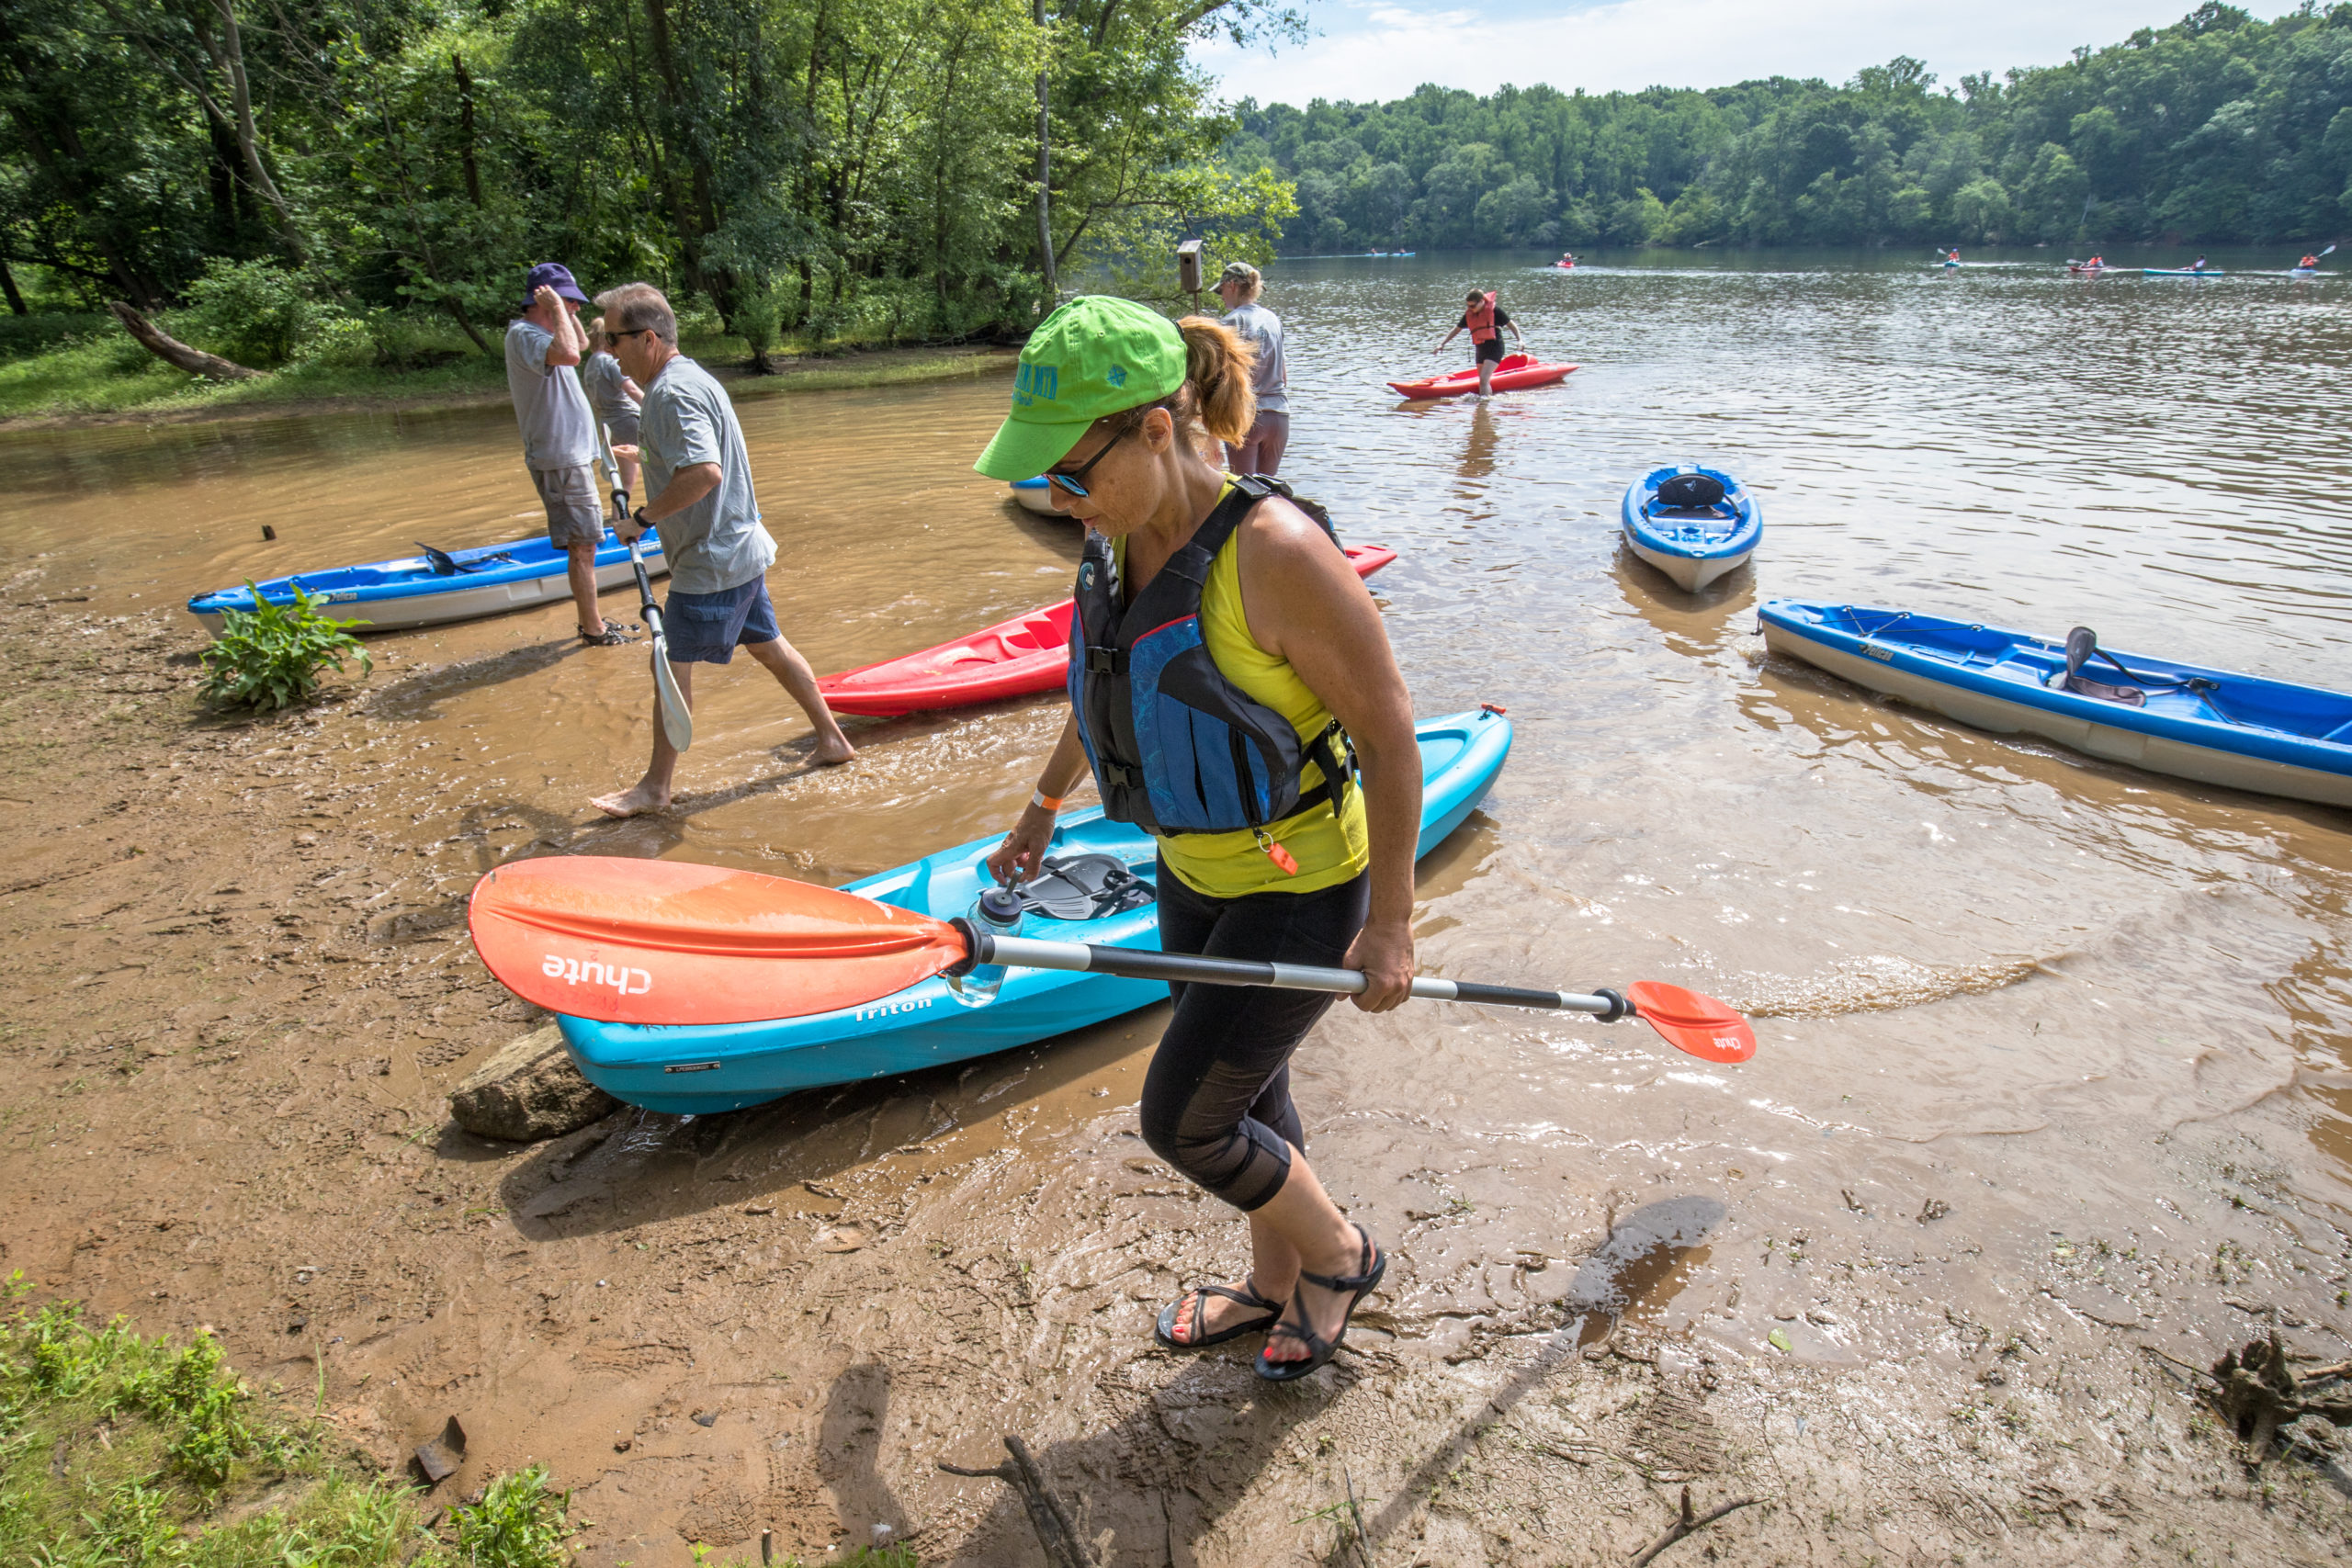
{"x":1217,"y":1101}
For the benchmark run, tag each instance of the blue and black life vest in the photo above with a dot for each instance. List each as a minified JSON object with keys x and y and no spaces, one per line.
{"x":1176,"y":748}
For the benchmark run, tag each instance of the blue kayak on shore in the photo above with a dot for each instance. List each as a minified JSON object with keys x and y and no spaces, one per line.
{"x":2213,"y":725}
{"x":691,"y":1070}
{"x":419,"y":590}
{"x":1694,"y":545}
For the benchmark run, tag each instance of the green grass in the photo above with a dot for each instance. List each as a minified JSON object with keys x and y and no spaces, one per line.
{"x":122,"y":1451}
{"x":61,"y":365}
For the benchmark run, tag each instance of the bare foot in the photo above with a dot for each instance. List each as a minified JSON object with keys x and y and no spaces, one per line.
{"x":634,"y":802}
{"x":1314,"y":1307}
{"x":833,"y":753}
{"x":1217,"y":1314}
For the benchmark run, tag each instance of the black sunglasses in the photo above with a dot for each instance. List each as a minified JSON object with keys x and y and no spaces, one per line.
{"x":1068,"y":482}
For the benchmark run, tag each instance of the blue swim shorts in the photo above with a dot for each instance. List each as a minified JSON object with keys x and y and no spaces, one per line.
{"x":707,"y":628}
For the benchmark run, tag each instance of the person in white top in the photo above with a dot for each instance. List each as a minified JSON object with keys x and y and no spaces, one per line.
{"x":1261,"y":451}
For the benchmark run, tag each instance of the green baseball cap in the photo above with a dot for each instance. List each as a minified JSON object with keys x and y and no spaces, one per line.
{"x":1095,"y":355}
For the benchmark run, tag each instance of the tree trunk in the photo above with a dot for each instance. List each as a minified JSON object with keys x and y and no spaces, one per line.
{"x":1045,"y":172}
{"x":701,"y":221}
{"x":466,"y":128}
{"x":173,"y":352}
{"x":450,"y":303}
{"x":230,"y":53}
{"x":8,"y":286}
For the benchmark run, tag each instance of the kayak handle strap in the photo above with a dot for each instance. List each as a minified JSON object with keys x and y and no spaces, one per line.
{"x":1086,"y":958}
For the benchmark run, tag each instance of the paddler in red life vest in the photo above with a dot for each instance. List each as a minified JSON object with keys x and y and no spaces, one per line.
{"x":1484,"y":319}
{"x":2309,"y":264}
{"x":2094,"y":265}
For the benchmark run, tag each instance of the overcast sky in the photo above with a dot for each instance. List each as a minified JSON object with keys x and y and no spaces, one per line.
{"x":1383,"y":48}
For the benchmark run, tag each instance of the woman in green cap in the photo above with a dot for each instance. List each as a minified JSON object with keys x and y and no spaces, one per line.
{"x":1229,"y":675}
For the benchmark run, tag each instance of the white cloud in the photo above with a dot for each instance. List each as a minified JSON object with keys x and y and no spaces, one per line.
{"x":1385,"y":48}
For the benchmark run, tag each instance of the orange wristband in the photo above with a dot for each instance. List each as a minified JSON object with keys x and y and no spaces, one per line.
{"x":1051,"y":802}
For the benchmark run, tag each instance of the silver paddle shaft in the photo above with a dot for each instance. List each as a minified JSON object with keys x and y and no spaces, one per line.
{"x":1085,"y":958}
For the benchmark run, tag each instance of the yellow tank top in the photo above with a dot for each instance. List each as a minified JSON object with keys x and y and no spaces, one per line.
{"x":1329,"y":849}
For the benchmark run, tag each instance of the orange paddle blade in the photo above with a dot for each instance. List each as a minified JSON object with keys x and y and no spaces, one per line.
{"x":1693,"y":1022}
{"x":663,"y":942}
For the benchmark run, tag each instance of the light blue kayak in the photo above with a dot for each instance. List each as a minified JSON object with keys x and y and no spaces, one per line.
{"x":2271,"y":737}
{"x":2181,"y":272}
{"x":408,"y":590}
{"x":1694,"y":545}
{"x":690,"y":1069}
{"x":1034,"y":495}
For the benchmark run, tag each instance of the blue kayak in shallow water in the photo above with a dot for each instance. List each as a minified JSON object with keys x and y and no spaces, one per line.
{"x":691,"y":1069}
{"x":418,"y":591}
{"x":2182,"y":272}
{"x":1694,"y":545}
{"x":2213,"y":725}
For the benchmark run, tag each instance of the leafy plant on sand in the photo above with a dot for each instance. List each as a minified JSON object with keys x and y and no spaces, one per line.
{"x":271,"y":656}
{"x":519,"y":1523}
{"x":122,"y":1451}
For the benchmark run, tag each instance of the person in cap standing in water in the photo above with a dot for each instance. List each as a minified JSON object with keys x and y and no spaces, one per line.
{"x":1260,"y":451}
{"x":698,"y":483}
{"x":1485,"y":321}
{"x":1222,"y":581}
{"x":543,"y":344}
{"x":618,"y":398}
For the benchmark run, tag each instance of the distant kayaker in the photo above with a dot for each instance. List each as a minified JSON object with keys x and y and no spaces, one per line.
{"x":618,"y":398}
{"x":2309,"y":264}
{"x":1260,"y":451}
{"x":1484,"y":321}
{"x":698,"y":485}
{"x":2197,"y":265}
{"x":559,"y":432}
{"x":2095,"y":263}
{"x":1567,"y":258}
{"x":1105,"y":404}
{"x":1952,"y":257}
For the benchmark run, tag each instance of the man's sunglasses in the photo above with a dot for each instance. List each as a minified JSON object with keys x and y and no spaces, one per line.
{"x":1068,"y":483}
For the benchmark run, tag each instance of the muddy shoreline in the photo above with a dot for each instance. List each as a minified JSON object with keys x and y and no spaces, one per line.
{"x":244,"y":994}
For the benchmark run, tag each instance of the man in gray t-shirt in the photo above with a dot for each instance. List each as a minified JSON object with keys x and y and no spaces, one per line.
{"x":1260,"y":452}
{"x":543,"y":345}
{"x":698,"y":484}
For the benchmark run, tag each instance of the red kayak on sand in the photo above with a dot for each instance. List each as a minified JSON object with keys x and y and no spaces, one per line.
{"x":1513,"y":373}
{"x":1018,"y":658}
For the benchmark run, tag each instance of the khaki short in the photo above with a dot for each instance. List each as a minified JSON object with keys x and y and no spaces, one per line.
{"x":573,"y":510}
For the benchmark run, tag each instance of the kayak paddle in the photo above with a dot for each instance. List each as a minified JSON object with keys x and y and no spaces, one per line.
{"x":654,"y":941}
{"x":677,"y":720}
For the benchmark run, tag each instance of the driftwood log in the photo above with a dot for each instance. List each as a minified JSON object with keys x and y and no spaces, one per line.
{"x":2260,"y":1392}
{"x":1057,"y":1532}
{"x":1689,"y":1524}
{"x":173,"y":352}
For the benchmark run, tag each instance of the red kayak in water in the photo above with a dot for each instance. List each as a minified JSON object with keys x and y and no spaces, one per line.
{"x":1019,"y":658}
{"x":1513,"y":373}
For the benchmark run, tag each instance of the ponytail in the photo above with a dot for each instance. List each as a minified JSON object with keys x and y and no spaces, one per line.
{"x":1216,"y":396}
{"x":1217,"y":374}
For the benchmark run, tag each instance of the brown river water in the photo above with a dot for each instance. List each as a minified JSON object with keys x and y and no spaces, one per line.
{"x":2050,"y":997}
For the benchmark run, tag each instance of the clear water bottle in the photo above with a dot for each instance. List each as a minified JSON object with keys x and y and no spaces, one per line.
{"x":996,"y":911}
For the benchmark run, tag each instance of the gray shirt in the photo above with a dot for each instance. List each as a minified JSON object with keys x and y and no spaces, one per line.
{"x":719,"y":542}
{"x":1270,"y":378}
{"x":608,"y":386}
{"x":558,"y":429}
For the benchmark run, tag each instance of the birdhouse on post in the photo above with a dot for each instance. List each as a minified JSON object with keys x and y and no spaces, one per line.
{"x":1188,"y":269}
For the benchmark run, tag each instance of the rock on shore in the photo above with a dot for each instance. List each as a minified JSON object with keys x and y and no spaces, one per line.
{"x":529,"y":1091}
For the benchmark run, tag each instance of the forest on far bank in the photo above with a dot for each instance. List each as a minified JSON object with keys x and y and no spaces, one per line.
{"x":370,"y":178}
{"x":2218,"y":128}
